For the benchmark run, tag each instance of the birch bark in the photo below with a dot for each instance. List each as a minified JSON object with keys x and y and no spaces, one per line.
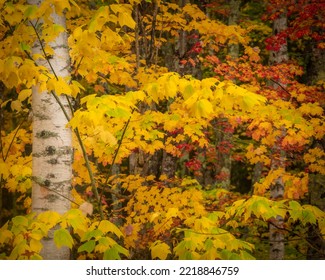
{"x":52,"y":144}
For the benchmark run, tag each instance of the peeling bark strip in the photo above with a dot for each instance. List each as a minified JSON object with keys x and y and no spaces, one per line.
{"x":52,"y":143}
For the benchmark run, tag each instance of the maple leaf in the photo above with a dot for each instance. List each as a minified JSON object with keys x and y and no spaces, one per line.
{"x":159,"y":250}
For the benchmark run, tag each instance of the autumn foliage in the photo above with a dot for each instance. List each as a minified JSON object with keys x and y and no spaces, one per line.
{"x":157,"y":120}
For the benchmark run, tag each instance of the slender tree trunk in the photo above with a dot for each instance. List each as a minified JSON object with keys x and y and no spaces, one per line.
{"x":181,"y":47}
{"x":276,"y":192}
{"x":278,"y":158}
{"x":257,"y":174}
{"x":233,"y":20}
{"x":52,"y":145}
{"x":116,"y":204}
{"x":169,"y":162}
{"x":316,"y":250}
{"x":222,"y":134}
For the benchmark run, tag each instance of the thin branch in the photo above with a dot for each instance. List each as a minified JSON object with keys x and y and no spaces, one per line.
{"x":84,"y":153}
{"x":60,"y":194}
{"x":281,"y":86}
{"x":70,"y":105}
{"x":81,"y":59}
{"x":91,"y":175}
{"x":61,"y":105}
{"x":115,"y":155}
{"x":30,"y":57}
{"x":43,"y":50}
{"x":13,"y":138}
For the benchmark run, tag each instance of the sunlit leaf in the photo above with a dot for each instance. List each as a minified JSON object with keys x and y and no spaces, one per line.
{"x":159,"y":250}
{"x":62,"y":237}
{"x":107,"y":226}
{"x":88,"y":246}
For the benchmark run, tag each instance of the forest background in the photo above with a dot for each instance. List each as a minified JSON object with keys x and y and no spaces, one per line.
{"x":162,"y":129}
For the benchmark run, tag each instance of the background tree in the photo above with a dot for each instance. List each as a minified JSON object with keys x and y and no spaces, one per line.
{"x":278,"y":158}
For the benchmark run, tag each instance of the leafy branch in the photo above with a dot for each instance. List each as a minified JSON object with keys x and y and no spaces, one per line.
{"x":115,"y":155}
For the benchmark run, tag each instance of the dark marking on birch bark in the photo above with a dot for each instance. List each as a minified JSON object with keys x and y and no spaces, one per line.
{"x":45,"y":134}
{"x":53,"y":161}
{"x":65,"y":150}
{"x":52,"y":197}
{"x":50,"y":150}
{"x":50,"y":176}
{"x":41,"y":117}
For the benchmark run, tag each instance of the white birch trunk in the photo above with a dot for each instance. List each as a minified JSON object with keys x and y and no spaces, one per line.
{"x":52,"y":143}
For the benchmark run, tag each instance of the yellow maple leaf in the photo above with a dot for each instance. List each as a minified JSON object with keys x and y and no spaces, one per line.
{"x":202,"y":108}
{"x":107,"y":226}
{"x":159,"y":250}
{"x":59,"y":86}
{"x":35,"y":245}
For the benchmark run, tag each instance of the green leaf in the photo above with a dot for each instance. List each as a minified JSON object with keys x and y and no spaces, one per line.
{"x":62,"y":237}
{"x":76,"y":219}
{"x":245,"y":255}
{"x":294,"y":205}
{"x":261,"y":208}
{"x":114,"y":252}
{"x":315,"y":210}
{"x":208,"y":244}
{"x":307,"y":217}
{"x":111,"y":254}
{"x":92,"y":234}
{"x":19,"y":249}
{"x":31,"y":9}
{"x":20,"y":221}
{"x":36,"y":257}
{"x":89,"y":246}
{"x":57,"y":28}
{"x":24,"y":47}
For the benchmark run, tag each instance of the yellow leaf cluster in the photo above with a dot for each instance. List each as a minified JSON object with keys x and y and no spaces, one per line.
{"x":296,"y":186}
{"x":154,"y":207}
{"x":315,"y":158}
{"x":311,"y":109}
{"x":260,"y":188}
{"x":16,"y":169}
{"x":259,"y":154}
